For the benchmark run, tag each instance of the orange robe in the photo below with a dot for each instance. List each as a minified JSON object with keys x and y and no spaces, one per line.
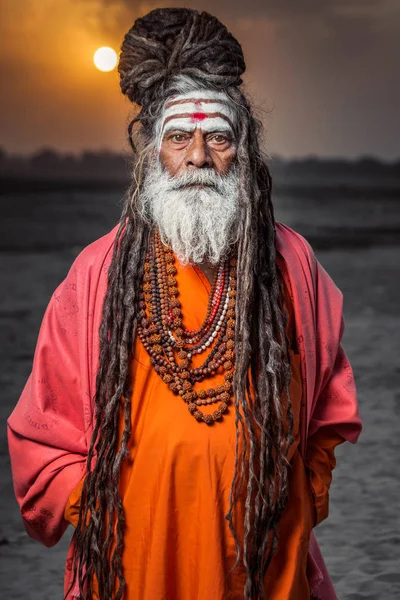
{"x":175,"y":486}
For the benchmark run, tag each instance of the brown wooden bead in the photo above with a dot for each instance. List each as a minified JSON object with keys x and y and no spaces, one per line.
{"x":230,"y":344}
{"x":216,"y":415}
{"x":167,"y":378}
{"x":202,"y":394}
{"x":211,"y":392}
{"x":192,"y":407}
{"x":208,"y":419}
{"x":228,"y":365}
{"x":225,"y":397}
{"x":186,"y":385}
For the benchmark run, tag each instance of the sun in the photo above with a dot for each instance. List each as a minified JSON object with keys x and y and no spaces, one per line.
{"x":105,"y":58}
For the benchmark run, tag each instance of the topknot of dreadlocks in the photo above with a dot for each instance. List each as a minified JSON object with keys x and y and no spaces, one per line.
{"x":172,"y":41}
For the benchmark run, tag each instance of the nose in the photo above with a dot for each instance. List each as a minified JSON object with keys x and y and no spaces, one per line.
{"x":198,"y":153}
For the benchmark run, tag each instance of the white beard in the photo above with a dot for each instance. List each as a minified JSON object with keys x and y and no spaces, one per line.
{"x":198,"y":223}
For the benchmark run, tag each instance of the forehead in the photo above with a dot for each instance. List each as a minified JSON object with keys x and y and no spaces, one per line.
{"x":207,"y":110}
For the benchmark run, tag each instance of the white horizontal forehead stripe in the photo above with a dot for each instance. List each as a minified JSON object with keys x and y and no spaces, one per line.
{"x":208,"y":124}
{"x":206,"y":107}
{"x":208,"y":94}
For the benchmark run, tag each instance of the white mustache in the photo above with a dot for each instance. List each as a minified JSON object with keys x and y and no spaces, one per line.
{"x":201,"y":177}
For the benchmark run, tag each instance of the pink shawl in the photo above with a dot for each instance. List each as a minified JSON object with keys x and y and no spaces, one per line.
{"x":50,"y":428}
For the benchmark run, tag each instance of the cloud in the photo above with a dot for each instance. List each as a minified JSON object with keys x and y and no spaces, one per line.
{"x":287,"y":10}
{"x":338,"y":26}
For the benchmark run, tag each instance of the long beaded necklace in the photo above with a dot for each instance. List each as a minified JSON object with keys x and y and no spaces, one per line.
{"x":162,"y":331}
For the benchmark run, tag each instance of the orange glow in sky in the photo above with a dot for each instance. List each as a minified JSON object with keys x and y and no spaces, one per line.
{"x":323,"y":81}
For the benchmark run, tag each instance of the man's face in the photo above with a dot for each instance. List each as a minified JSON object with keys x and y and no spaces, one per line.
{"x":191,"y":187}
{"x":183,"y":151}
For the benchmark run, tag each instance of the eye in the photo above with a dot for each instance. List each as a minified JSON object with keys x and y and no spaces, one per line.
{"x":178,"y":137}
{"x":219,"y":138}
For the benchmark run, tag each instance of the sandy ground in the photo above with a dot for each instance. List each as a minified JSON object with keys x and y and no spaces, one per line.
{"x":360,"y":539}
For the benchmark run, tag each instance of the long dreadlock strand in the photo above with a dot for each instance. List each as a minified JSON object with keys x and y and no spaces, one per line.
{"x":100,"y":499}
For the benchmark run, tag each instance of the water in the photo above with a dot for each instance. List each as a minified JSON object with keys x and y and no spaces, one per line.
{"x":355,"y":234}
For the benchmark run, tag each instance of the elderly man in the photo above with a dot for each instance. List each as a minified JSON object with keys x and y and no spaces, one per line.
{"x":189,"y":385}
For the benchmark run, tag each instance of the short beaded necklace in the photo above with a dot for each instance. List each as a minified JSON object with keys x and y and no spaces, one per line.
{"x":161,"y":330}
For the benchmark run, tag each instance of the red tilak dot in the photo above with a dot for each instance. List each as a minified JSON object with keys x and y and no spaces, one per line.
{"x":198,"y":116}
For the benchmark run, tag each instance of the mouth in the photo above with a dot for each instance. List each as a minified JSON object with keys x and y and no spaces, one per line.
{"x":198,"y":185}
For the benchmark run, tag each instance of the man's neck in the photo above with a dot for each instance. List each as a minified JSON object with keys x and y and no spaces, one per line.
{"x":209,"y":270}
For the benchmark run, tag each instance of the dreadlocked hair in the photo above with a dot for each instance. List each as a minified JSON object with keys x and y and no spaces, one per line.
{"x":166,"y":52}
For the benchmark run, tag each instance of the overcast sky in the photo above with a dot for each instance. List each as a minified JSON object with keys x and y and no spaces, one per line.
{"x":325,"y":74}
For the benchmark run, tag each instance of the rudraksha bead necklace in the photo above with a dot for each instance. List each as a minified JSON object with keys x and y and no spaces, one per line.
{"x":162,"y":331}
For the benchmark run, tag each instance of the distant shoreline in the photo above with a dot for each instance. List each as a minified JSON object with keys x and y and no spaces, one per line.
{"x":50,"y":170}
{"x":297,"y":187}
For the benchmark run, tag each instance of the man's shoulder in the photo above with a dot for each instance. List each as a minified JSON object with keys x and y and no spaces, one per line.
{"x":300,"y":260}
{"x":294,"y":246}
{"x":97,"y":254}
